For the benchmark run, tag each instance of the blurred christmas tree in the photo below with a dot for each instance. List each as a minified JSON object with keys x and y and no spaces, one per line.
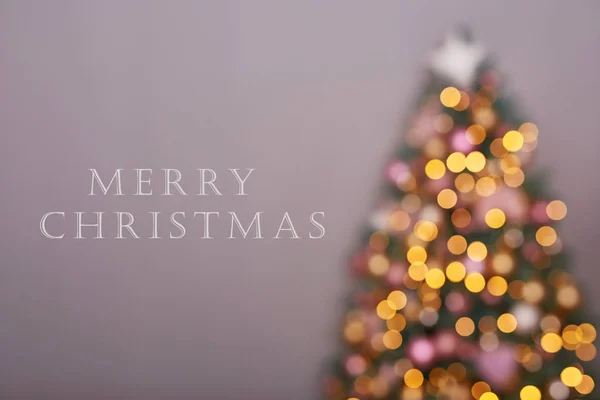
{"x":462,"y":289}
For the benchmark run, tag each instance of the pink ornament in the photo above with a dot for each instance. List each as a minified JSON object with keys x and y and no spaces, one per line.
{"x":398,"y":172}
{"x":421,"y":351}
{"x":460,"y":143}
{"x":473,"y":266}
{"x":358,"y":263}
{"x":395,"y":275}
{"x":387,"y":372}
{"x":530,"y":251}
{"x":490,"y":299}
{"x":502,"y":129}
{"x":538,"y":212}
{"x":446,"y":343}
{"x":436,"y":185}
{"x":457,"y":303}
{"x":356,"y":365}
{"x":373,"y":323}
{"x":498,"y":367}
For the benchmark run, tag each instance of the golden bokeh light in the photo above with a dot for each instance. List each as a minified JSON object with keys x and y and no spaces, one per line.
{"x":397,"y":322}
{"x":385,"y":310}
{"x":475,"y":134}
{"x":464,"y":102}
{"x":475,"y":282}
{"x":455,"y":271}
{"x":510,"y":161}
{"x":495,"y":218}
{"x":450,"y":97}
{"x":507,"y":323}
{"x":546,"y":236}
{"x":477,"y":251}
{"x":530,"y":392}
{"x":485,"y":186}
{"x":456,"y":162}
{"x":479,"y":388}
{"x":475,"y":161}
{"x":571,"y":376}
{"x":588,"y":332}
{"x":435,"y":278}
{"x":379,"y":241}
{"x":464,"y":182}
{"x":529,"y":131}
{"x":397,"y":300}
{"x":354,"y":331}
{"x":556,"y":210}
{"x":379,"y":264}
{"x":461,"y":218}
{"x":465,"y":326}
{"x":497,"y":148}
{"x":586,"y":352}
{"x":551,"y":342}
{"x":435,"y":169}
{"x":447,"y":198}
{"x":502,"y":263}
{"x":568,"y":296}
{"x":413,"y":378}
{"x":572,"y":335}
{"x":399,"y":220}
{"x":533,"y":292}
{"x":497,"y":286}
{"x":457,"y":244}
{"x":417,"y":271}
{"x":426,"y":230}
{"x":489,"y":396}
{"x":514,"y":177}
{"x":392,"y":339}
{"x":513,"y":141}
{"x":416,"y":254}
{"x":586,"y":386}
{"x":550,"y":323}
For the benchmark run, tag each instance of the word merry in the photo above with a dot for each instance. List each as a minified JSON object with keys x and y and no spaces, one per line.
{"x":171,"y":182}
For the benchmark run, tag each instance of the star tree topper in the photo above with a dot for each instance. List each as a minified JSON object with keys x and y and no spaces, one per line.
{"x":457,"y":59}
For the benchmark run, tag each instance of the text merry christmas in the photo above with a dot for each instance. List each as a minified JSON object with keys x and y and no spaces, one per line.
{"x":175,"y":224}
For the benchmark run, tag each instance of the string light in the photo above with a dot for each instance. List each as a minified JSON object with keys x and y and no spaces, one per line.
{"x":450,"y":97}
{"x":571,"y":376}
{"x":513,"y":141}
{"x":435,"y":169}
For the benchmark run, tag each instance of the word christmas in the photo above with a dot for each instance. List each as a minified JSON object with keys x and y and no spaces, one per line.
{"x":123,"y":224}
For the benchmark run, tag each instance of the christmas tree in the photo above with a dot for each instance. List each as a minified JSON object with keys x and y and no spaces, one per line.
{"x":462,"y":289}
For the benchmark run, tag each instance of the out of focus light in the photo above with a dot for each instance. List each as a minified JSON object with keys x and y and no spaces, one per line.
{"x":495,"y":218}
{"x":447,"y":198}
{"x":475,"y":161}
{"x":450,"y":96}
{"x":464,"y":326}
{"x":556,"y":210}
{"x":435,"y":169}
{"x":513,"y":141}
{"x":456,"y":162}
{"x":477,"y":251}
{"x":475,"y":134}
{"x":475,"y":282}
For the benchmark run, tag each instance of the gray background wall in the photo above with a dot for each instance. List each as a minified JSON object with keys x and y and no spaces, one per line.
{"x":310,"y":93}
